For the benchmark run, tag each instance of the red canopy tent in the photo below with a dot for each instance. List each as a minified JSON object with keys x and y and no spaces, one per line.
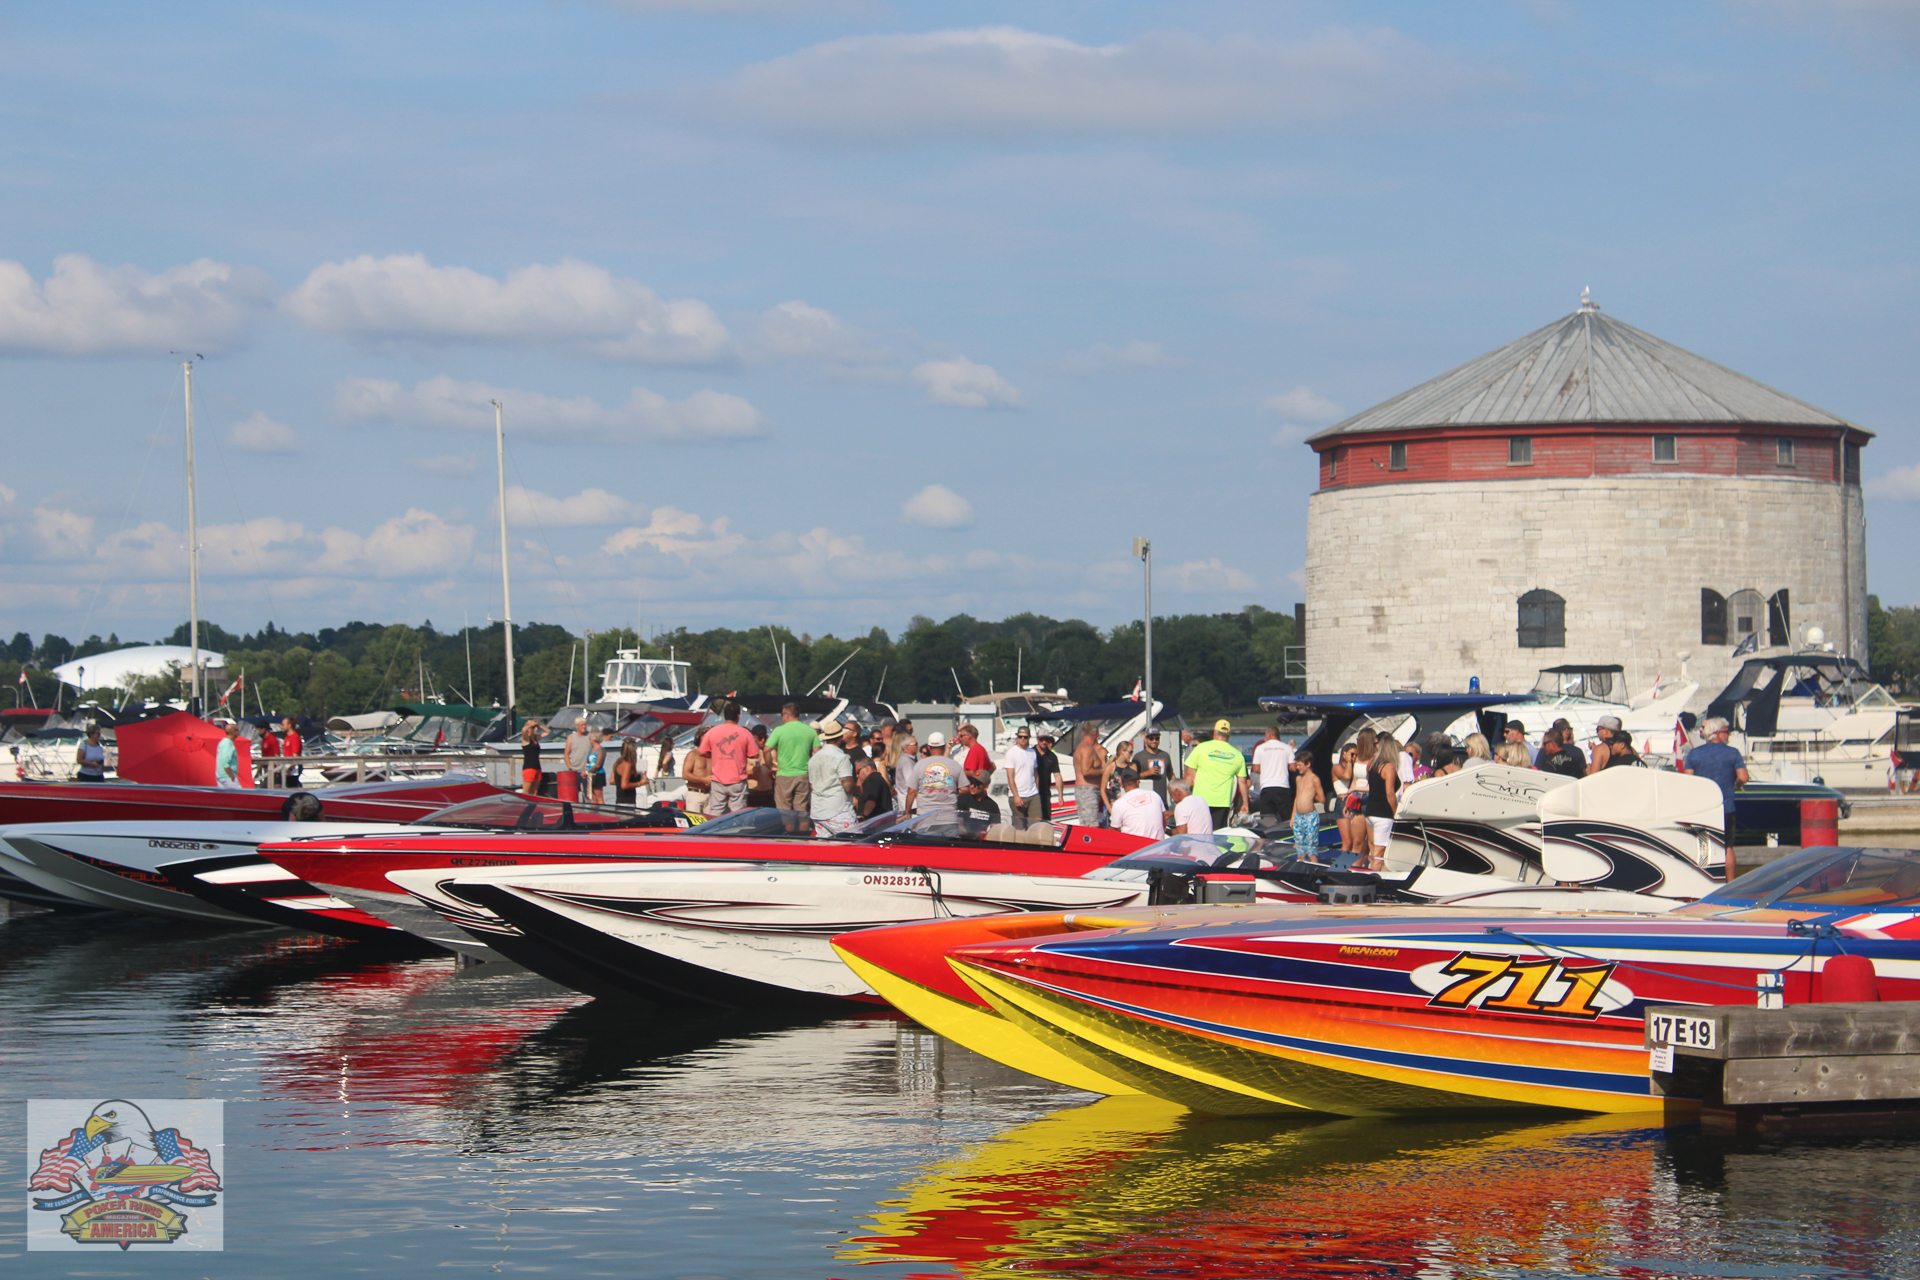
{"x":175,"y":750}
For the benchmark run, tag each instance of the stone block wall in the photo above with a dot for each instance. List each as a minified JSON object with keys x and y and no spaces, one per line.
{"x":1418,"y":584}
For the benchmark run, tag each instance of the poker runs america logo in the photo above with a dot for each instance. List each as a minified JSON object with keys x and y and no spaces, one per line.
{"x":125,"y":1173}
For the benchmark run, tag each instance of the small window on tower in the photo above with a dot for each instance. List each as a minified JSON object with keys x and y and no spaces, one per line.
{"x":1783,"y":451}
{"x":1397,"y":457}
{"x":1663,"y":449}
{"x":1543,"y":620}
{"x":1333,"y":464}
{"x":1520,"y":451}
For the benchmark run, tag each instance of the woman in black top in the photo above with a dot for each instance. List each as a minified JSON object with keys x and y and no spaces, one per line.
{"x":1383,"y":787}
{"x":530,"y":757}
{"x":627,"y":776}
{"x":873,"y":796}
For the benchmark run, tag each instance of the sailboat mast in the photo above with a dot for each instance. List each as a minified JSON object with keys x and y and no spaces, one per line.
{"x":193,"y":553}
{"x":506,"y":586}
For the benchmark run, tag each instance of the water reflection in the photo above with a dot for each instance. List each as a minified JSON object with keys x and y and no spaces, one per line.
{"x":401,"y":1112}
{"x":1131,"y":1187}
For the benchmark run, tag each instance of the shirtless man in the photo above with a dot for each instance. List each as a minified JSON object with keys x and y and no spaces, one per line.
{"x":1307,"y":799}
{"x":1089,"y":775}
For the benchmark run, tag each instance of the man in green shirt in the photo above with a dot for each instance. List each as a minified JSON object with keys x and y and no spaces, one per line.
{"x":789,"y":747}
{"x":1217,"y":773}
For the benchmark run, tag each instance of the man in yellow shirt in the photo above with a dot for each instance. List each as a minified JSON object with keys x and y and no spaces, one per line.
{"x":1217,"y":773}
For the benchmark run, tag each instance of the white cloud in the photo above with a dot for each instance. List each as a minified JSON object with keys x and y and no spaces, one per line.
{"x":1002,"y":82}
{"x":419,"y":544}
{"x":1207,"y":576}
{"x":86,"y":309}
{"x":1303,"y":407}
{"x":798,"y":331}
{"x":588,"y":507}
{"x":62,"y":535}
{"x":415,"y":545}
{"x":446,"y":464}
{"x":1302,"y":403}
{"x":937,"y":507}
{"x":261,"y":434}
{"x":670,"y":530}
{"x":404,"y":296}
{"x":1901,"y":484}
{"x":647,"y":415}
{"x":7,"y":498}
{"x":966,"y":385}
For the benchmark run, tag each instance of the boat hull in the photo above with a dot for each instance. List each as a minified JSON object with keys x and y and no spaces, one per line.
{"x":743,"y":933}
{"x":207,"y":872}
{"x":1364,"y":1013}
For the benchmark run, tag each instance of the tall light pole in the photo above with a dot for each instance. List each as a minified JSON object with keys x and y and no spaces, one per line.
{"x":193,"y":556}
{"x":1143,"y":550}
{"x":506,"y":585}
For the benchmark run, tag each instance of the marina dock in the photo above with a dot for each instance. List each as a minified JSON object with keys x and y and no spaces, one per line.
{"x":1839,"y":1067}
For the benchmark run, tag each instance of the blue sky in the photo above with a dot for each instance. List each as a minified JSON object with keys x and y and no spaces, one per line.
{"x":832,"y":312}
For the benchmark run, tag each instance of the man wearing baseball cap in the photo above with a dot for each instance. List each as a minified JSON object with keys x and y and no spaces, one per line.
{"x":937,"y":781}
{"x":1155,"y":765}
{"x":1217,"y":773}
{"x":1606,"y":729}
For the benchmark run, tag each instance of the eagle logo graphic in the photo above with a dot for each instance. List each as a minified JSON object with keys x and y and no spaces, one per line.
{"x":116,"y":1179}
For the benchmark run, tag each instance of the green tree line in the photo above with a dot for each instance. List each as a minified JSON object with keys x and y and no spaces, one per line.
{"x":1893,"y":646}
{"x":1203,"y":663}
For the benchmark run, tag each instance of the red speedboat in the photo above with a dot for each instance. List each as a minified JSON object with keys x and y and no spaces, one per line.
{"x":436,"y":907}
{"x":38,"y":802}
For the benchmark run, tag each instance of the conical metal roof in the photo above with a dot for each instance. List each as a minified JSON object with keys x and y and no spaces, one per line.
{"x":1586,"y":367}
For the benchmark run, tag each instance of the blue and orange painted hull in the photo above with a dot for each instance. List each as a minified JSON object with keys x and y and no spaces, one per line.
{"x":1364,"y":1011}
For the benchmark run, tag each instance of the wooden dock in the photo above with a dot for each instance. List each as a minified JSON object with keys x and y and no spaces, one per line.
{"x":1807,"y":1067}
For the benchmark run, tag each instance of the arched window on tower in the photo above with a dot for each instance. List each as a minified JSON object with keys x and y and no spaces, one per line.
{"x":1543,"y":620}
{"x":1746,"y":614}
{"x":1713,"y":617}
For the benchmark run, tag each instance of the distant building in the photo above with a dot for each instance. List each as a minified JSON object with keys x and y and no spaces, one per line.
{"x":119,"y":668}
{"x":1585,"y":494}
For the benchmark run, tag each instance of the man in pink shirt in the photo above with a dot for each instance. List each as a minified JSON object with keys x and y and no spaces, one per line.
{"x":730,"y":747}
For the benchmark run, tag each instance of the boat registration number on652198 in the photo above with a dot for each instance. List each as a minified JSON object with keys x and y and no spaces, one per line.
{"x":1680,"y":1031}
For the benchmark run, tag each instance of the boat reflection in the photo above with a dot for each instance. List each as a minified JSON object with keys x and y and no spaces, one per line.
{"x":1130,"y":1186}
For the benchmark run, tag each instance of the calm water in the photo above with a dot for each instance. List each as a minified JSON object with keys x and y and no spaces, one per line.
{"x":388,"y":1115}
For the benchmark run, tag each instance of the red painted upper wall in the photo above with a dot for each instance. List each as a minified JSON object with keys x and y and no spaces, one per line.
{"x":1480,"y":454}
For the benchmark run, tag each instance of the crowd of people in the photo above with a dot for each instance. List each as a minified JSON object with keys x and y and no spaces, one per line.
{"x":273,"y":745}
{"x":843,"y":773}
{"x":1374,"y":771}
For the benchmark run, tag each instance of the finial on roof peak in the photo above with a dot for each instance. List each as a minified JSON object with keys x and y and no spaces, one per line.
{"x":1586,"y":301}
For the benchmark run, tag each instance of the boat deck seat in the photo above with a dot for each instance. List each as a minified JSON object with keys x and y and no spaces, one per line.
{"x":1040,"y":833}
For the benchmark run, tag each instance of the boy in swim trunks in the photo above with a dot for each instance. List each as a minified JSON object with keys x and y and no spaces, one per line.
{"x":1307,"y":800}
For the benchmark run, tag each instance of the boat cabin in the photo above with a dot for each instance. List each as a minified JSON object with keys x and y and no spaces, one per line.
{"x":1586,"y":683}
{"x":1797,"y":693}
{"x":628,"y":677}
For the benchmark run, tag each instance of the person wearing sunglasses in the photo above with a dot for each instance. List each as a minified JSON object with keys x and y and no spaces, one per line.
{"x":1023,"y":783}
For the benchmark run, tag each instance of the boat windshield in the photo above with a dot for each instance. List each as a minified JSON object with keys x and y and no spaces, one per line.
{"x":758,"y":823}
{"x":561,"y":724}
{"x":1593,"y":686}
{"x":542,"y":813}
{"x":1187,"y":853}
{"x":1850,"y":878}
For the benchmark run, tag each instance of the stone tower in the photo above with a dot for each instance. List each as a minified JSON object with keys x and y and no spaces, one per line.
{"x":1585,"y":494}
